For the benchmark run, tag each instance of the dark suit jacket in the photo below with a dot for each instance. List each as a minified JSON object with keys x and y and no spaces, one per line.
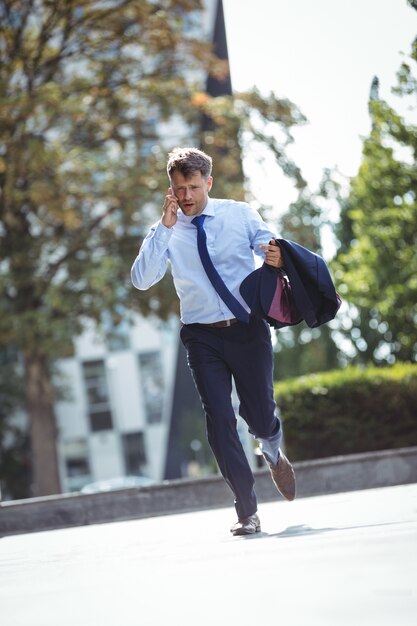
{"x":312,"y":287}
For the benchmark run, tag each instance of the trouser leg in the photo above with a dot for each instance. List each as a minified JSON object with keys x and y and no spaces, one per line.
{"x":255,"y":388}
{"x":213,"y":379}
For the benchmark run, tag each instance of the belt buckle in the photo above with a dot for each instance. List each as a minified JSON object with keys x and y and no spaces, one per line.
{"x":228,"y":323}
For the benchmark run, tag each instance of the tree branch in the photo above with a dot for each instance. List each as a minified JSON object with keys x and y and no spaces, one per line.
{"x":77,"y":243}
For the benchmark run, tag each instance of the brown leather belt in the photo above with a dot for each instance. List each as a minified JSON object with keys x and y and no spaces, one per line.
{"x":221,"y":324}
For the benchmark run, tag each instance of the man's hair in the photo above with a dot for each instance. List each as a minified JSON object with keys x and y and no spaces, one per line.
{"x":187,"y":161}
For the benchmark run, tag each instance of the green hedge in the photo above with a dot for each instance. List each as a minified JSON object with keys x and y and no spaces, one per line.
{"x":350,"y":410}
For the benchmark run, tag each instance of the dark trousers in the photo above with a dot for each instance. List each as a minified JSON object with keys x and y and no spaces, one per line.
{"x":244,"y":352}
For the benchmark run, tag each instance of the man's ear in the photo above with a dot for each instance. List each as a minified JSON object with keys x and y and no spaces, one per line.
{"x":209,"y":182}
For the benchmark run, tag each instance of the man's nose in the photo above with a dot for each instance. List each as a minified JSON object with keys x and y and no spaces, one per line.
{"x":187,"y":193}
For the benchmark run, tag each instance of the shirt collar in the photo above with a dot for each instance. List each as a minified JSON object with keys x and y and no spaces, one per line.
{"x":209,"y":208}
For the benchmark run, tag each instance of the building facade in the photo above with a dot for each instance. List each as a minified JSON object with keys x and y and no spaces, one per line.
{"x":114,"y":420}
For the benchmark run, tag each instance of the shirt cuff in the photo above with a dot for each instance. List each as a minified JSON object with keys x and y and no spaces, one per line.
{"x":163,"y":233}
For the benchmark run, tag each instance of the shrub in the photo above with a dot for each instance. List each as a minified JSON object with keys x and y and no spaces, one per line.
{"x":350,"y":410}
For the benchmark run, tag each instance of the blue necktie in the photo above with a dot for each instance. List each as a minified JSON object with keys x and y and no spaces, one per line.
{"x":228,"y":298}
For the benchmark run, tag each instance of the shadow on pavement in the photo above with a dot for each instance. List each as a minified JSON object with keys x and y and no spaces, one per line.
{"x":303,"y":529}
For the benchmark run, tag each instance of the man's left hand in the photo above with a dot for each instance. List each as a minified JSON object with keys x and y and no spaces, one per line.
{"x":273,"y":255}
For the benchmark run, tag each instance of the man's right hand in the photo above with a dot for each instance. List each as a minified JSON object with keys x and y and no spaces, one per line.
{"x":169,"y":210}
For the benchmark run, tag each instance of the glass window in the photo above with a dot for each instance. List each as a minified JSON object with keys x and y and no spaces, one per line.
{"x":134,"y":453}
{"x":77,"y":463}
{"x":97,"y":395}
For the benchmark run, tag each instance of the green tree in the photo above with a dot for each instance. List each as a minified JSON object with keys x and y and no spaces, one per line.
{"x":377,"y":262}
{"x":86,"y":89}
{"x":73,"y":122}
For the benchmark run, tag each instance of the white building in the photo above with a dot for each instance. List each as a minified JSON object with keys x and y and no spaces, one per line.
{"x":119,"y":404}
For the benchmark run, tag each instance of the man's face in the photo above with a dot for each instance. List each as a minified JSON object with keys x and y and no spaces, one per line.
{"x":191,"y":192}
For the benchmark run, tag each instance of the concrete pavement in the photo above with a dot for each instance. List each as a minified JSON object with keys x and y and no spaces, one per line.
{"x":336,"y":560}
{"x":366,"y":470}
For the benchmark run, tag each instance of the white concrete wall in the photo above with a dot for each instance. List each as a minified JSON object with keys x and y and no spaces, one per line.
{"x":125,"y":391}
{"x":105,"y":455}
{"x":72,"y":412}
{"x":90,"y":344}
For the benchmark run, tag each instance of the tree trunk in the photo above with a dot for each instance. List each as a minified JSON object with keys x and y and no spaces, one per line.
{"x":43,"y":431}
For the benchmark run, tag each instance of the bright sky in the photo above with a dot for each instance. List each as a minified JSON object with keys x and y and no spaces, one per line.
{"x":322,"y":55}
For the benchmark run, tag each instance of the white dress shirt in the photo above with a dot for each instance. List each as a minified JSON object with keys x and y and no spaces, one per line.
{"x":234,"y":233}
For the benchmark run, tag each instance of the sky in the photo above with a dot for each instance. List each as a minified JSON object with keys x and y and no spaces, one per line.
{"x":322,"y":55}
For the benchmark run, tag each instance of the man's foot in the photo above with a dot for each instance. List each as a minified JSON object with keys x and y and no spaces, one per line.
{"x":283,"y":476}
{"x":246,"y":526}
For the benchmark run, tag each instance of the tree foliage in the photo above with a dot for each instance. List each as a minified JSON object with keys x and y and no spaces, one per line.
{"x":354,"y":409}
{"x":92,"y":96}
{"x":377,"y":262}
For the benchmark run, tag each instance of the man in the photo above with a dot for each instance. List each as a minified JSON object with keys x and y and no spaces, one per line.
{"x":210,"y":245}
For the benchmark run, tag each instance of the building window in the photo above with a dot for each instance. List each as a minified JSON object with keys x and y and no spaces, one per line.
{"x":134,"y":453}
{"x":77,"y":464}
{"x":97,"y":395}
{"x":152,"y":380}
